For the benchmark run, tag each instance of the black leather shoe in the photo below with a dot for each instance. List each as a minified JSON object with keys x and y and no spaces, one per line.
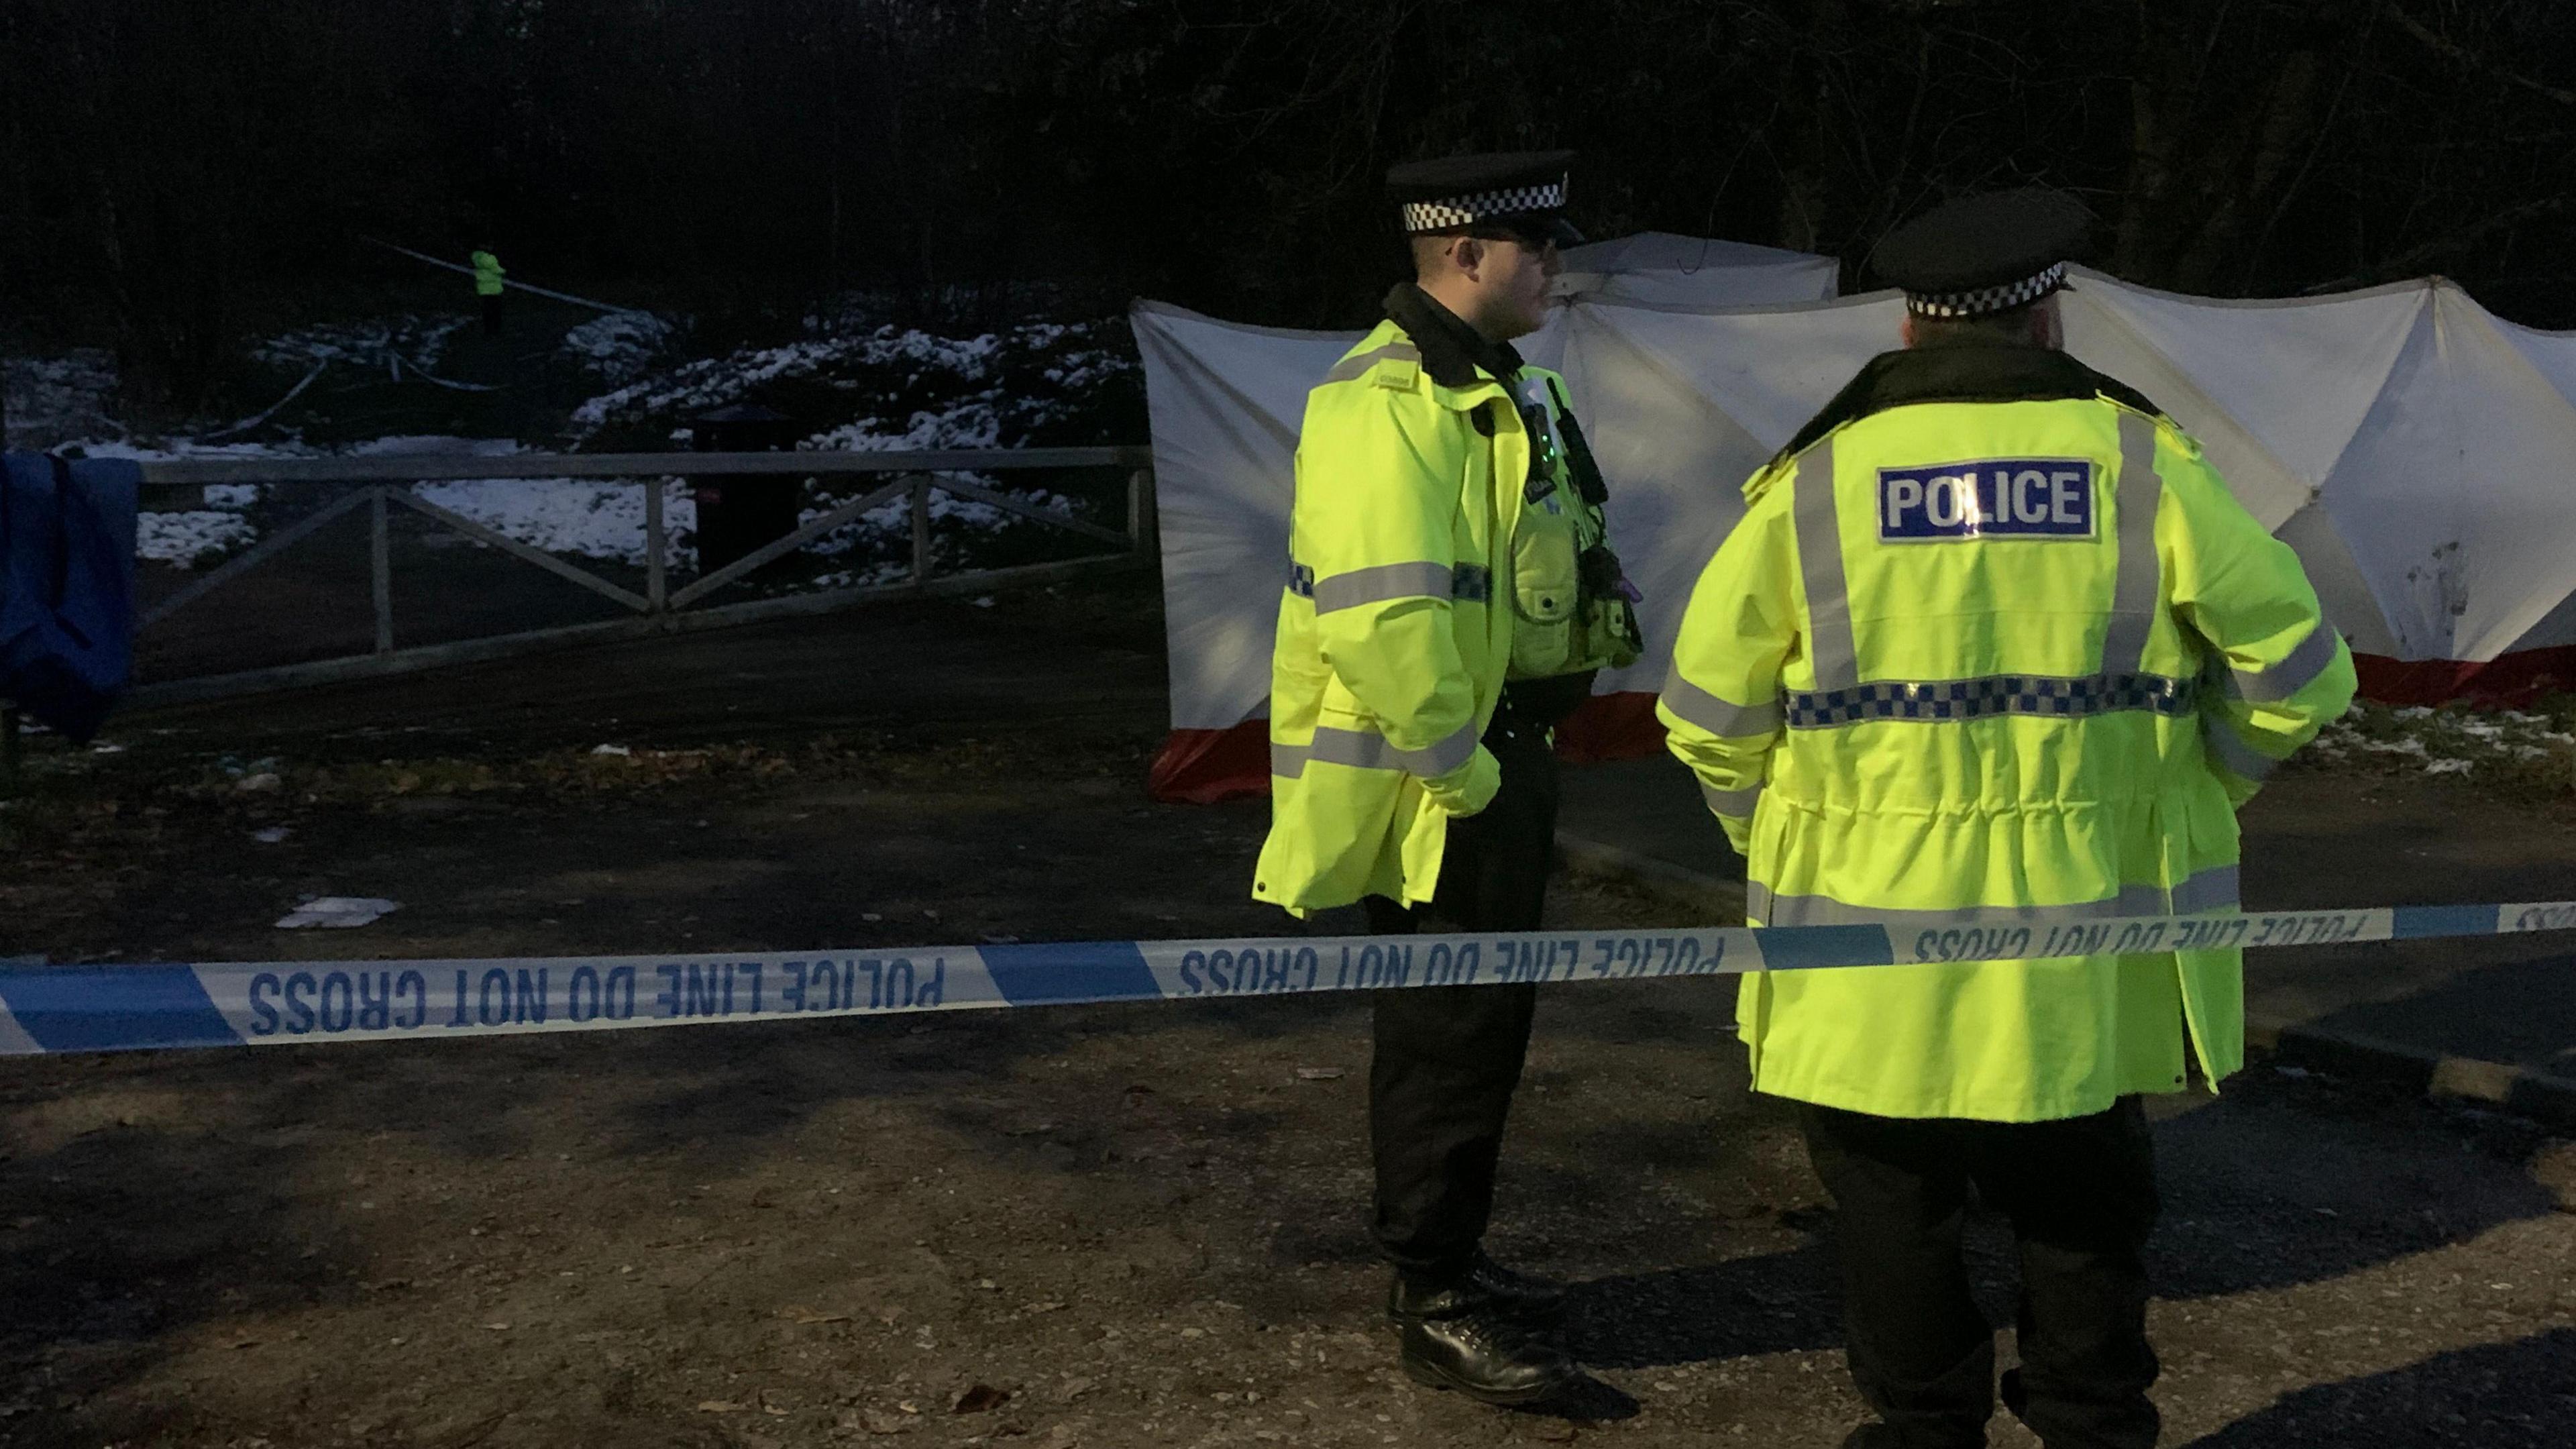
{"x":1485,"y":1286}
{"x":1486,"y":1356}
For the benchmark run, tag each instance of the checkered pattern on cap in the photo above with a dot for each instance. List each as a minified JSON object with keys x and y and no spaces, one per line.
{"x":1964,"y":699}
{"x":1451,"y":211}
{"x":1987,"y":299}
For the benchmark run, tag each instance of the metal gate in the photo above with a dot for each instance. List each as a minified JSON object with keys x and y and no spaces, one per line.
{"x":381,"y":485}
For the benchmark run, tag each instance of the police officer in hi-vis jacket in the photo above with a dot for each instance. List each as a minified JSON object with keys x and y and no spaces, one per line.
{"x":1993,"y":641}
{"x":1450,"y":594}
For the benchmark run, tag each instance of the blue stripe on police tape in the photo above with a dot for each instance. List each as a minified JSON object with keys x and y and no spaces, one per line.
{"x":1800,"y":948}
{"x":116,"y":1008}
{"x":2411,"y":923}
{"x":1058,"y":972}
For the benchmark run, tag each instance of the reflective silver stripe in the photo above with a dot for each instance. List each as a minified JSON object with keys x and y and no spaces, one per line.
{"x":1367,"y":750}
{"x":1471,"y":582}
{"x":1820,"y":566}
{"x":2294,"y":673}
{"x":1351,"y":367}
{"x":2233,"y":752}
{"x":1778,"y":910}
{"x":2213,"y":889}
{"x":1381,"y":583}
{"x":2133,"y":593}
{"x":1287,"y":762}
{"x":1715,"y":715}
{"x":2045,"y":695}
{"x":1738,"y":803}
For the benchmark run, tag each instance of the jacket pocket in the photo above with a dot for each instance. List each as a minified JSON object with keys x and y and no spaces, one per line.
{"x":1547,"y":587}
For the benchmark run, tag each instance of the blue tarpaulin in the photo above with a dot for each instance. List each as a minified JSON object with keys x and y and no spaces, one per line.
{"x":66,"y":586}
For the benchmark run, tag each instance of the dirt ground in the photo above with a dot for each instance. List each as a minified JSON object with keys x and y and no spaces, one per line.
{"x":1103,"y":1226}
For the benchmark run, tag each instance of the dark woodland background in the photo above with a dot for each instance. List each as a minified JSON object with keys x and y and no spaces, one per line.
{"x":176,"y":173}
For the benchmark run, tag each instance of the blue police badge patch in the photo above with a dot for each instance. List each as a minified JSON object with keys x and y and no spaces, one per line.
{"x":1987,"y":498}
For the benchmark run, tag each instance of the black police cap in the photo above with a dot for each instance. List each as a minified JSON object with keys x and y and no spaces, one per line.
{"x":1987,"y":253}
{"x":1521,"y":191}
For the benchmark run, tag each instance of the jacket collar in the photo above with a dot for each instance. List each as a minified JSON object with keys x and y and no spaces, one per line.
{"x":1969,"y":370}
{"x":1452,"y":351}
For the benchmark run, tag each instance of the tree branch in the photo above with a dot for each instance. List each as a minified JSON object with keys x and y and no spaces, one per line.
{"x":2452,"y":50}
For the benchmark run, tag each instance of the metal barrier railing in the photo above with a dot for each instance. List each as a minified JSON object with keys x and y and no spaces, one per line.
{"x":382,"y":484}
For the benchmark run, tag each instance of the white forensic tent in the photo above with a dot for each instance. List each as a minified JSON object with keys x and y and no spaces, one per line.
{"x":2412,"y":448}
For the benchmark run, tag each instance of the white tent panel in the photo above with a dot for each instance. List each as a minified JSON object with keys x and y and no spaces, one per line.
{"x":2454,"y":493}
{"x":2552,"y":355}
{"x":1224,"y":403}
{"x":2342,"y":587}
{"x":2245,"y":377}
{"x":1663,"y":269}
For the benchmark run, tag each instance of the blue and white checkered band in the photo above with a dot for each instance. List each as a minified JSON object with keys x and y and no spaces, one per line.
{"x":1986,"y":299}
{"x":1452,"y":211}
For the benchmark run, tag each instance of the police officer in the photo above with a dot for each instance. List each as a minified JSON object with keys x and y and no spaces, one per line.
{"x":488,"y":284}
{"x":1993,"y":641}
{"x":1450,"y":593}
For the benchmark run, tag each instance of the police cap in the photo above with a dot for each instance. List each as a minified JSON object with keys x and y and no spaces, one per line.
{"x":1982,"y":254}
{"x":1515,"y":193}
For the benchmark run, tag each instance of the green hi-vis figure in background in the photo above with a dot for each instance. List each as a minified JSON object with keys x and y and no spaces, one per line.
{"x":488,"y":286}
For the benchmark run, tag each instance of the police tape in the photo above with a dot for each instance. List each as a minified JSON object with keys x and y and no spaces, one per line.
{"x":149,"y":1007}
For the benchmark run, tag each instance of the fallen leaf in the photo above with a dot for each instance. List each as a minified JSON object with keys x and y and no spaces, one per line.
{"x":1320,"y":1074}
{"x":720,"y":1406}
{"x":981,"y":1399}
{"x":497,"y":1326}
{"x":799,"y":1313}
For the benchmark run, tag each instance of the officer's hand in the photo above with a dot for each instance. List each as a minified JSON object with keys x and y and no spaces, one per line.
{"x":1468,"y":788}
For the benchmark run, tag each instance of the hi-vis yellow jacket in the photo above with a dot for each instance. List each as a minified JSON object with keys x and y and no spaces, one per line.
{"x":487,"y":274}
{"x":1392,"y":648}
{"x":1967,"y":661}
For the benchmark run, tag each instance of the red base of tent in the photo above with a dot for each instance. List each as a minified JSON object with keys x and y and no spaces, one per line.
{"x":2509,"y":681}
{"x":1202,"y":767}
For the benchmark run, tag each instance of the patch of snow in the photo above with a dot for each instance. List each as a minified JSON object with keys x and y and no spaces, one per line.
{"x":182,"y":538}
{"x":587,"y":517}
{"x":619,"y":346}
{"x":2447,"y":767}
{"x":231,"y":495}
{"x":338,"y":912}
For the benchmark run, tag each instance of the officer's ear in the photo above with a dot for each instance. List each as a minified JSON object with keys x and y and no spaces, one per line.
{"x":1469,"y":255}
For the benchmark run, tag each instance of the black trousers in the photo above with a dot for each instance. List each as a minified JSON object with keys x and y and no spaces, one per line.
{"x":1447,"y":1058}
{"x":2081,"y":1195}
{"x":492,"y":307}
